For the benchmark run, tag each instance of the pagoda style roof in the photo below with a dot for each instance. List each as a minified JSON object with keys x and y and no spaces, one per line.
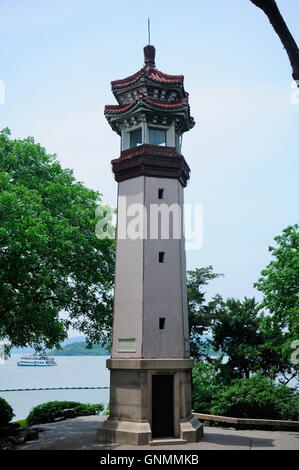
{"x":151,"y":91}
{"x":151,"y":73}
{"x":142,"y":99}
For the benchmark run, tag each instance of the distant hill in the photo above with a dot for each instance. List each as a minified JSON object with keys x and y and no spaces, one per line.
{"x":76,"y":346}
{"x":79,"y":349}
{"x":28,"y":350}
{"x":74,"y":339}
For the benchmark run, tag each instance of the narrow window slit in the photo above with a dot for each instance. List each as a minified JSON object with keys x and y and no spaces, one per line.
{"x":160,"y":193}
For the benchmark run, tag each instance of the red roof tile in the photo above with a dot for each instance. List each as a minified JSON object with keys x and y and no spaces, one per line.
{"x":158,"y":76}
{"x":167,"y":104}
{"x":117,"y":109}
{"x":151,"y":73}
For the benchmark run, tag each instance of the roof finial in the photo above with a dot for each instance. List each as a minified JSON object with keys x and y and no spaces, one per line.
{"x":149,"y":56}
{"x":149,"y":30}
{"x":149,"y":50}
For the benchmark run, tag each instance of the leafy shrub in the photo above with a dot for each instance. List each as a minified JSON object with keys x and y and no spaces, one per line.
{"x":257,"y":397}
{"x":22,"y":423}
{"x":47,"y":412}
{"x":6,"y":412}
{"x":204,"y":386}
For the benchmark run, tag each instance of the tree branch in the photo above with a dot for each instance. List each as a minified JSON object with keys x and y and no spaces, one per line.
{"x":270,"y":8}
{"x":287,"y":380}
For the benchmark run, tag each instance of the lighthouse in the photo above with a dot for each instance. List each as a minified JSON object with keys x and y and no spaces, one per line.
{"x":150,"y":365}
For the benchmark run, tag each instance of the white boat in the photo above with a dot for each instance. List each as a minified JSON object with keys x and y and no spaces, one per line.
{"x":37,"y":361}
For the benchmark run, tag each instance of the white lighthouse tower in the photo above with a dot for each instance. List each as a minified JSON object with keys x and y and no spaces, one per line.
{"x":150,"y":366}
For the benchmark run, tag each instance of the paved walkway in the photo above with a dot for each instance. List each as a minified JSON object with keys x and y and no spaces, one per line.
{"x":80,"y":434}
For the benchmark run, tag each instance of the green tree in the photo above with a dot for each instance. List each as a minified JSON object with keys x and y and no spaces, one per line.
{"x":235,"y":331}
{"x":50,"y":259}
{"x":199,"y":310}
{"x":279,"y":283}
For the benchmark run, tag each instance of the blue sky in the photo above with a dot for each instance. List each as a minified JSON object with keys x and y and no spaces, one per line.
{"x":57,"y":61}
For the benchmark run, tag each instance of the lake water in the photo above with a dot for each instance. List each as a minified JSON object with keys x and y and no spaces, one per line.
{"x":71,"y":371}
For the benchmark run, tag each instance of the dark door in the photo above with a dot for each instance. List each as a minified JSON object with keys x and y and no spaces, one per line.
{"x":162,"y":406}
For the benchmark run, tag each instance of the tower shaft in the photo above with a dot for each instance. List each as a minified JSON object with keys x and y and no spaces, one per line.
{"x":150,"y":365}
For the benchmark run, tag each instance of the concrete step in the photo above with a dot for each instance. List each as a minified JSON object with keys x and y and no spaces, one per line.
{"x":167,"y":441}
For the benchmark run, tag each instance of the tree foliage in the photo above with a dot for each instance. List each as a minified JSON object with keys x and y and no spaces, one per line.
{"x":279,"y":284}
{"x":251,"y":337}
{"x":250,"y":340}
{"x":235,"y":331}
{"x":257,"y":397}
{"x":204,"y":386}
{"x":50,"y":258}
{"x":279,"y":281}
{"x":6,"y":412}
{"x":199,"y":310}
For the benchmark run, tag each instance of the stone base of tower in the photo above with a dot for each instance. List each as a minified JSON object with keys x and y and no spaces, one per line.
{"x":134,"y":433}
{"x":124,"y":432}
{"x":150,"y":399}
